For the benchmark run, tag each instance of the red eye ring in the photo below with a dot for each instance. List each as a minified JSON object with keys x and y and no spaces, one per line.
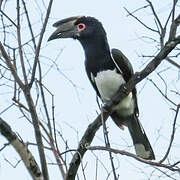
{"x":81,"y":27}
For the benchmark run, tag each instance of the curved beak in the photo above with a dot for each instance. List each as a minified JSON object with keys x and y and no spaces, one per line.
{"x":65,"y":29}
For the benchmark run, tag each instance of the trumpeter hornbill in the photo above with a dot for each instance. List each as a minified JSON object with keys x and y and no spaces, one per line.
{"x":107,"y":70}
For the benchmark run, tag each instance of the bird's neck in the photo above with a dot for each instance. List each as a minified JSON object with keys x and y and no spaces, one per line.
{"x":97,"y":53}
{"x":96,"y":47}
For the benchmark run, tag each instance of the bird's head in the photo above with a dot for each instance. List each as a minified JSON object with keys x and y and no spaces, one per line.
{"x":79,"y":27}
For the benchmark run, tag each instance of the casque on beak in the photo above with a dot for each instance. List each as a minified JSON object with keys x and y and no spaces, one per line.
{"x":65,"y":28}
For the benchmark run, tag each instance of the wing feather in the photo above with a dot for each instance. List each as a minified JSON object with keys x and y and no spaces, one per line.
{"x":126,"y":69}
{"x":123,"y":63}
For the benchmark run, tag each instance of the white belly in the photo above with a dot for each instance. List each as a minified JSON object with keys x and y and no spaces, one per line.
{"x":108,"y":83}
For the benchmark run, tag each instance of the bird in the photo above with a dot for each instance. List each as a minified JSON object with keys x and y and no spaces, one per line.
{"x":107,"y":69}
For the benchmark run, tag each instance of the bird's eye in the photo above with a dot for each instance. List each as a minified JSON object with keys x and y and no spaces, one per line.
{"x":81,"y":27}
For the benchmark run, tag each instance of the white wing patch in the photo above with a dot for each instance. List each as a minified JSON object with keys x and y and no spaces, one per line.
{"x":108,"y":83}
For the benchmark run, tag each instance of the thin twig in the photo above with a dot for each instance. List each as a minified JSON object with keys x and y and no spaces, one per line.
{"x":173,"y":9}
{"x":173,"y":62}
{"x":37,"y":130}
{"x":129,"y":13}
{"x":173,"y":28}
{"x":4,"y":14}
{"x":11,"y":66}
{"x":143,"y":7}
{"x":19,"y":43}
{"x":29,"y":24}
{"x":40,"y":42}
{"x":1,"y":3}
{"x":164,"y":95}
{"x":107,"y":143}
{"x":85,"y":141}
{"x":122,"y":152}
{"x":155,"y":14}
{"x":5,"y":145}
{"x":50,"y":134}
{"x":165,"y":26}
{"x":172,"y":136}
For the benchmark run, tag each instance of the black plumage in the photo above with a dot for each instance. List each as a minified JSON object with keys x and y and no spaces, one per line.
{"x":107,"y":70}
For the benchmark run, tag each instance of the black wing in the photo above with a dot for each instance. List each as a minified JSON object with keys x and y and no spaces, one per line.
{"x":123,"y":64}
{"x":126,"y":68}
{"x":121,"y":61}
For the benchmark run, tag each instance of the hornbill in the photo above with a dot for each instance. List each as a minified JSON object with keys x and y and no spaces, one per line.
{"x":107,"y":70}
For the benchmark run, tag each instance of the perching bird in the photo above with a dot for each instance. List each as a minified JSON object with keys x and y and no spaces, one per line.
{"x":107,"y":70}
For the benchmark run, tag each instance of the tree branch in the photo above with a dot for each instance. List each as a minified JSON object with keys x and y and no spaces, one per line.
{"x":116,"y":151}
{"x":155,"y":15}
{"x":173,"y":28}
{"x":4,"y":14}
{"x":20,"y":44}
{"x":22,"y":150}
{"x":172,"y":135}
{"x":29,"y":24}
{"x":53,"y":141}
{"x":173,"y":62}
{"x":107,"y":144}
{"x":39,"y":43}
{"x":1,"y":3}
{"x":129,"y":13}
{"x":32,"y":111}
{"x":37,"y":130}
{"x":11,"y":66}
{"x":85,"y":141}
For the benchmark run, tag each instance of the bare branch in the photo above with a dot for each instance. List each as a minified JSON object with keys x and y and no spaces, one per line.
{"x":143,"y":7}
{"x":129,"y":13}
{"x":173,"y":62}
{"x":173,"y":28}
{"x":53,"y":143}
{"x":11,"y":66}
{"x":165,"y":26}
{"x":29,"y":99}
{"x":19,"y":43}
{"x":155,"y":14}
{"x":37,"y":130}
{"x":116,"y":151}
{"x":5,"y":145}
{"x":29,"y":24}
{"x":31,"y":109}
{"x":1,"y":3}
{"x":173,"y":9}
{"x":40,"y":41}
{"x":22,"y":150}
{"x":164,"y":95}
{"x":172,"y":135}
{"x":85,"y":141}
{"x":107,"y":143}
{"x":20,"y":105}
{"x":4,"y":14}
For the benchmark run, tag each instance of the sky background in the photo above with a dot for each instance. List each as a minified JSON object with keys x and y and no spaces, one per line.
{"x":75,"y":99}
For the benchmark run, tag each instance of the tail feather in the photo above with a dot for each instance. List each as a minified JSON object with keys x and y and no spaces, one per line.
{"x":141,"y":143}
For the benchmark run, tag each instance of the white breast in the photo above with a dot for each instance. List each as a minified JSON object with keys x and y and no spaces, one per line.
{"x":108,"y":83}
